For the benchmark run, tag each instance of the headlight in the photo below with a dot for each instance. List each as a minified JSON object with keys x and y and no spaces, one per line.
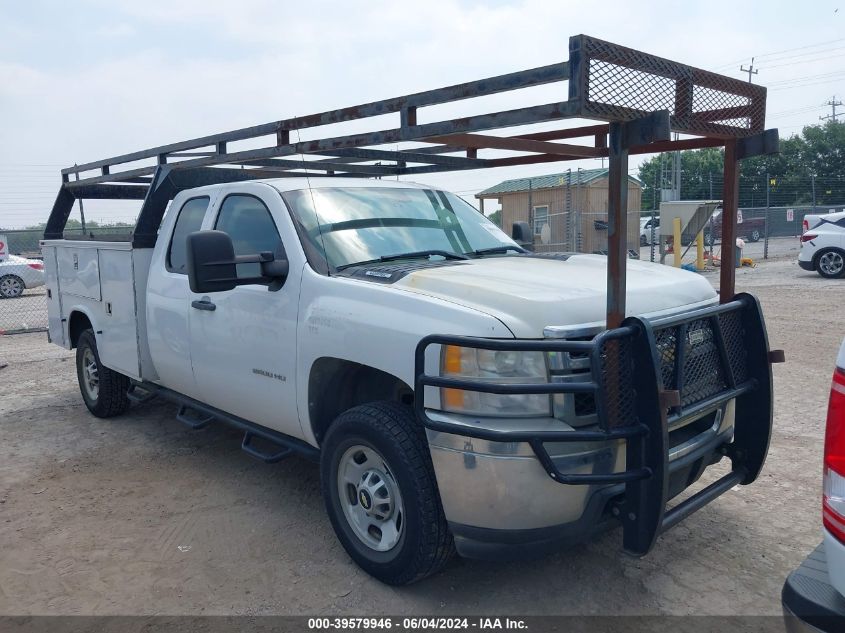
{"x":501,"y":367}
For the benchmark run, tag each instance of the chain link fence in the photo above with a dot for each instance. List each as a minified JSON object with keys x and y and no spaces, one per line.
{"x":23,"y":295}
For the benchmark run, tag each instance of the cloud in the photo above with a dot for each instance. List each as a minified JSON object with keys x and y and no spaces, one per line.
{"x":162,"y":71}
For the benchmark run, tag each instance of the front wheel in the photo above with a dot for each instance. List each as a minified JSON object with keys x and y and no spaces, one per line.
{"x":103,"y":390}
{"x":830,"y":263}
{"x":755,"y":236}
{"x":381,"y":494}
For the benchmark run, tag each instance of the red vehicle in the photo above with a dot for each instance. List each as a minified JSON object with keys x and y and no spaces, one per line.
{"x":751,"y":229}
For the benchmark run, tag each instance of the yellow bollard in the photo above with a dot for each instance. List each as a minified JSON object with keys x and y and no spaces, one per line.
{"x":699,"y":250}
{"x":676,"y":241}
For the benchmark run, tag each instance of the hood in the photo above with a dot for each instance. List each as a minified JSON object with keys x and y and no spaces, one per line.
{"x":530,"y":293}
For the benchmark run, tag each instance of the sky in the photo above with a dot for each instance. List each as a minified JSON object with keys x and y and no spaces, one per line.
{"x":96,"y":78}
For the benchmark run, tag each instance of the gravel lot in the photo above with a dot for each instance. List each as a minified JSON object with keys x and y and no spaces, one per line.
{"x":139,"y":515}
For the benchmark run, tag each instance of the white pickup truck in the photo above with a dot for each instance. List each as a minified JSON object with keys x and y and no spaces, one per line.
{"x":458,"y":391}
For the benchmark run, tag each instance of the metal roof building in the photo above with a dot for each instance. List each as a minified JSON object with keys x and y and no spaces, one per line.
{"x":567,"y":211}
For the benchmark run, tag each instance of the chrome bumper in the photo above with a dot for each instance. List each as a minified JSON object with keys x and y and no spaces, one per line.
{"x":503,"y":486}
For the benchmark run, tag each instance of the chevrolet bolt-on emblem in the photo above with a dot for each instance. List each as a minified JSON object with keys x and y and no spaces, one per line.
{"x":365,"y":499}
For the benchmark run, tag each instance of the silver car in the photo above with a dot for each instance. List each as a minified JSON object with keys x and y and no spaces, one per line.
{"x":19,"y":273}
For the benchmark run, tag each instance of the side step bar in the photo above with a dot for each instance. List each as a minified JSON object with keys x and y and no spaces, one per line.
{"x":193,"y":418}
{"x":267,"y":458}
{"x":197,"y":415}
{"x":138,"y":394}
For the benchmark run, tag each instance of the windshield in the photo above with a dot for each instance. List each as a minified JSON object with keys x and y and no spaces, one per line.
{"x":361,"y":224}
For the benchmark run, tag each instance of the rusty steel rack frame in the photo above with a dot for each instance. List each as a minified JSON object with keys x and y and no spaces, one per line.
{"x":639,"y":98}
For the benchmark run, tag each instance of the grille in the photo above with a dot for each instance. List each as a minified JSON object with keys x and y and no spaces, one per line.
{"x":612,"y":82}
{"x":578,"y":409}
{"x":703,"y":374}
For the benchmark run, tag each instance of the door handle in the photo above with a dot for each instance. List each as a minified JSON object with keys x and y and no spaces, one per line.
{"x":205,"y":304}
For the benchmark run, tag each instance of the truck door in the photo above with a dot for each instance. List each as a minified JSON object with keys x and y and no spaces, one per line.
{"x":243,"y":341}
{"x":168,"y":296}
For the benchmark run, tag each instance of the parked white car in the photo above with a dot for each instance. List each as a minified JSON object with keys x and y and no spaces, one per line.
{"x":823,"y":245}
{"x":814,"y":594}
{"x":18,"y":274}
{"x":649,"y":228}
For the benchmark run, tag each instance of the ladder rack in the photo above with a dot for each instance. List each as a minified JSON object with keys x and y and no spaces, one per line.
{"x":637,"y":98}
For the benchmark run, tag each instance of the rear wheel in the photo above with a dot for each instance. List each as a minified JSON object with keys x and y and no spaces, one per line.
{"x":103,"y":390}
{"x":830,"y":263}
{"x":755,"y":236}
{"x":11,"y":286}
{"x":381,"y":494}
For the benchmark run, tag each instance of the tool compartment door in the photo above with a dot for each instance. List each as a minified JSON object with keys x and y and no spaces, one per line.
{"x":79,"y":271}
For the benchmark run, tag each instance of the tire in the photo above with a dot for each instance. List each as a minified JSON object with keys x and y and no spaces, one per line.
{"x":830,"y":263}
{"x":406,"y":538}
{"x":643,"y":240}
{"x":104,"y":392}
{"x":755,"y":236}
{"x":11,"y":286}
{"x":708,"y":239}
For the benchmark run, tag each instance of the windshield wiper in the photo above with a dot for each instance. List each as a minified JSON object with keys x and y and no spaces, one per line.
{"x":414,"y":254}
{"x":494,"y":250}
{"x":411,"y":255}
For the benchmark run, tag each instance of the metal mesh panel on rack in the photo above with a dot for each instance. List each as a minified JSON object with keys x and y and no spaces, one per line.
{"x":612,"y":82}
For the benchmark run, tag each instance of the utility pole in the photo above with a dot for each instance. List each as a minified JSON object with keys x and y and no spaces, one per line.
{"x":750,"y":70}
{"x":832,"y":103}
{"x":769,"y":182}
{"x":813,"y":180}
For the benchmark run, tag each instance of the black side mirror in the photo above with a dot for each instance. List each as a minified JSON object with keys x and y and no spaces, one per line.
{"x":522,"y":235}
{"x":277,"y":268}
{"x":211,"y":262}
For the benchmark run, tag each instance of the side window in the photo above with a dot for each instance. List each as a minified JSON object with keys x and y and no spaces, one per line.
{"x":248,"y":222}
{"x":189,"y":220}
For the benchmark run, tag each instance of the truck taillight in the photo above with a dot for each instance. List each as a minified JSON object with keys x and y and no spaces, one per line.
{"x":36,"y":266}
{"x":833,"y":495}
{"x":808,"y":236}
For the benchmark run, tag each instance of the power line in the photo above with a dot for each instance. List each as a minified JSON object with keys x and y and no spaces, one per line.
{"x":786,"y":50}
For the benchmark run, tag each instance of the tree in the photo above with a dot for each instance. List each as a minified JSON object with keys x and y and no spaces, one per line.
{"x":496,"y":217}
{"x":815,"y":156}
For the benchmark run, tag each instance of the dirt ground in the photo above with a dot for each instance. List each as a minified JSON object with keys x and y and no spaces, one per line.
{"x":139,"y":515}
